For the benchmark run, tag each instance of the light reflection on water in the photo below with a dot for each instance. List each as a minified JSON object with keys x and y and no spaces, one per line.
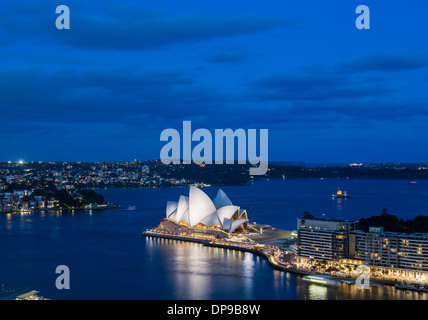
{"x":317,"y":292}
{"x":198,"y":272}
{"x":351,"y":292}
{"x":248,"y":267}
{"x":110,"y":260}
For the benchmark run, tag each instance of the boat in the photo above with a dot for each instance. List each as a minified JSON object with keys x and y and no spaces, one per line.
{"x":411,"y":286}
{"x":348,"y":281}
{"x":131,"y":208}
{"x":319,"y":279}
{"x":340,"y":194}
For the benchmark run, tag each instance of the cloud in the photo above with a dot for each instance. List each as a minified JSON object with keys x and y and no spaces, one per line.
{"x":162,"y":32}
{"x":227,"y":56}
{"x":110,"y":27}
{"x":121,"y":95}
{"x":313,"y":86}
{"x":387,"y":62}
{"x":311,"y":95}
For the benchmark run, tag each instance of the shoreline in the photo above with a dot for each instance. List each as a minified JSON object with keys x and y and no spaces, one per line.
{"x":270,"y":259}
{"x":209,"y":243}
{"x":250,"y":181}
{"x":58,"y":210}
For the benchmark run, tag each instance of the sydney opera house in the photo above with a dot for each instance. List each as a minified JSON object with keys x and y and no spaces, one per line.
{"x":197,"y":213}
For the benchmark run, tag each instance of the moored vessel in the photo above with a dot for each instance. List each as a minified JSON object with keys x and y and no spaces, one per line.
{"x":340,"y":194}
{"x":319,"y":279}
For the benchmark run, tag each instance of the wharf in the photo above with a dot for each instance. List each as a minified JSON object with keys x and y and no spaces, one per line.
{"x":274,"y":263}
{"x":149,"y":234}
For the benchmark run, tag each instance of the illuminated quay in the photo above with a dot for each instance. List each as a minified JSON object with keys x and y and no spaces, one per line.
{"x":338,"y":248}
{"x":219,"y":223}
{"x":332,"y":248}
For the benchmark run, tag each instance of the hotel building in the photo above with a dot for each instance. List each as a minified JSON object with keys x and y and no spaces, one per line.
{"x":400,"y":256}
{"x":324,"y":239}
{"x":391,"y":249}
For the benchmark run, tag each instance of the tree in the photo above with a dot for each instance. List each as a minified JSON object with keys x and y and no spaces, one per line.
{"x":349,"y":268}
{"x":420,"y":224}
{"x":307,"y":215}
{"x":323,"y":264}
{"x":388,"y":221}
{"x":90,"y":196}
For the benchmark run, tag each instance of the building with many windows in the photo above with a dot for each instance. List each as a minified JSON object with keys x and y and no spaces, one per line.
{"x":324,"y":239}
{"x":393,"y":255}
{"x":391,"y":249}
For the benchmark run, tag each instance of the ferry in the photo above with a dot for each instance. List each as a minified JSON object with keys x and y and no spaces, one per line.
{"x":348,"y":281}
{"x":319,"y":279}
{"x":411,"y":286}
{"x":340,"y":194}
{"x":131,"y":208}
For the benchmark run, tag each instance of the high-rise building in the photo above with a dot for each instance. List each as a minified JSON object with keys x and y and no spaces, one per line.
{"x":391,"y":249}
{"x":324,"y":239}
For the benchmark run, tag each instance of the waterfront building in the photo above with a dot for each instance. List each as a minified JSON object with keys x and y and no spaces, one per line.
{"x":392,"y":249}
{"x":324,"y":239}
{"x":388,"y":255}
{"x":198,"y":211}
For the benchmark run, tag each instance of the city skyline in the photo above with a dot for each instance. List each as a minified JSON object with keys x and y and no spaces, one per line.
{"x":105,"y":89}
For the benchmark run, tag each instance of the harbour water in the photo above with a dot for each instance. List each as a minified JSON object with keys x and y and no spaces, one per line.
{"x":108,"y":258}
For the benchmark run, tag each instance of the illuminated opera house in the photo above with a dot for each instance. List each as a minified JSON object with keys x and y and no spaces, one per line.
{"x":197,"y":213}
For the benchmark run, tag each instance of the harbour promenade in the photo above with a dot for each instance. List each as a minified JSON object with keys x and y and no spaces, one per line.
{"x":218,"y":223}
{"x":277,"y":258}
{"x":270,"y":253}
{"x":160,"y":235}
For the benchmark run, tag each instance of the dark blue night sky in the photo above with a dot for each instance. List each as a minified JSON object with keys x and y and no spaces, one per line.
{"x":126,"y":70}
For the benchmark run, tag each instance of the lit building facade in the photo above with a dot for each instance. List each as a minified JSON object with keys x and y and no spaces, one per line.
{"x":392,"y":249}
{"x":198,"y":211}
{"x":391,"y":255}
{"x":324,"y":239}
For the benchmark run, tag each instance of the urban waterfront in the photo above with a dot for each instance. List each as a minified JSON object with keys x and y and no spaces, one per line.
{"x":108,"y":258}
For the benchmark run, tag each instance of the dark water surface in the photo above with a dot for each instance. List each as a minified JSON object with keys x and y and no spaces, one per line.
{"x":108,"y":258}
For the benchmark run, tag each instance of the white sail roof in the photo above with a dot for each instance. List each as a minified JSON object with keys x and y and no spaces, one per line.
{"x":236,"y":224}
{"x":182,"y":207}
{"x":211,"y":220}
{"x":231,"y":226}
{"x":227,"y":224}
{"x":226,"y":212}
{"x":200,"y":206}
{"x":171,"y":206}
{"x":185,"y":217}
{"x":243,"y":215}
{"x":173,"y":216}
{"x":222,"y":200}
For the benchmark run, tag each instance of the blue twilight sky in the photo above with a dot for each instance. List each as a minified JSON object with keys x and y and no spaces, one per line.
{"x":126,"y":70}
